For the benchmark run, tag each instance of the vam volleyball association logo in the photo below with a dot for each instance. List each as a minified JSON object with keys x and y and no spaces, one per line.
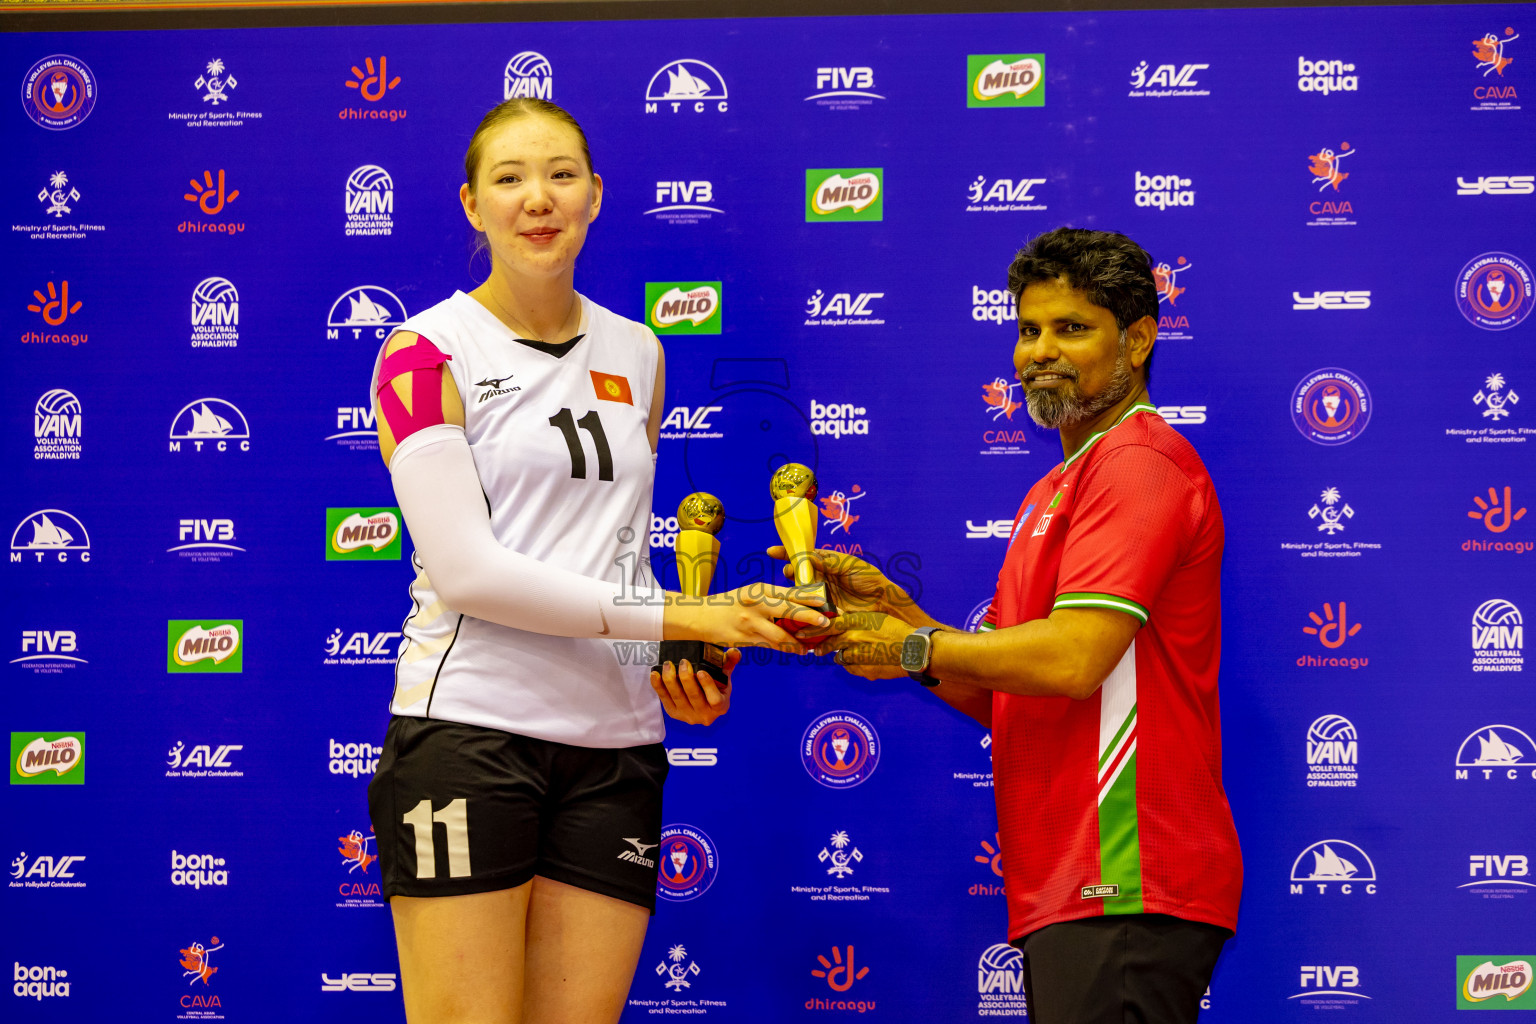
{"x":1005,"y":80}
{"x":56,"y":426}
{"x":840,"y":749}
{"x":528,"y":75}
{"x":1333,"y":753}
{"x":1494,"y":291}
{"x":689,"y":864}
{"x":1000,"y":982}
{"x":1331,"y":406}
{"x":215,"y":314}
{"x":684,"y":307}
{"x":1498,"y":637}
{"x":370,"y":200}
{"x":58,"y":92}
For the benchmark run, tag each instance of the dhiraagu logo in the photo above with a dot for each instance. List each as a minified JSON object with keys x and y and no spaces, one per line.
{"x":362,"y":534}
{"x":1494,"y":983}
{"x":847,"y":193}
{"x":1005,"y":80}
{"x":205,"y":645}
{"x":48,"y":758}
{"x":683,"y":307}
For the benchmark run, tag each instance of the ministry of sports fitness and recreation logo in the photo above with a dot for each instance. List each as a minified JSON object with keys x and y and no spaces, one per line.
{"x":1493,"y":92}
{"x":1333,"y":753}
{"x":684,"y":307}
{"x":1326,"y":76}
{"x":49,"y":871}
{"x":50,"y":534}
{"x":49,"y":652}
{"x":684,"y":202}
{"x":1498,"y":637}
{"x":686,"y":86}
{"x":367,"y":311}
{"x":359,"y":887}
{"x":528,"y":75}
{"x":59,"y":196}
{"x":370,"y":202}
{"x":214,"y":84}
{"x":48,"y":758}
{"x":1498,"y":751}
{"x":1331,"y":515}
{"x":1004,"y":195}
{"x":372,"y":82}
{"x":58,"y":92}
{"x":1166,"y":80}
{"x":56,"y":422}
{"x":840,"y":749}
{"x":1494,"y":291}
{"x":1331,"y":406}
{"x":1494,"y":983}
{"x":1005,"y":80}
{"x":1326,"y":207}
{"x":362,"y":534}
{"x":847,"y":193}
{"x":689,"y":864}
{"x":205,"y":645}
{"x":844,"y":88}
{"x":212,"y":422}
{"x":1333,"y":865}
{"x":677,"y":968}
{"x":215,"y":314}
{"x":1000,"y":982}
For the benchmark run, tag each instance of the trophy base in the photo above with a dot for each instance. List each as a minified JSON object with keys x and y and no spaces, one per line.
{"x":696,"y":652}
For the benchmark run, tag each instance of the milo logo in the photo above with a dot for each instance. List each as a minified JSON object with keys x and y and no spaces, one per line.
{"x":1005,"y":80}
{"x":844,"y":194}
{"x":362,"y":534}
{"x":204,"y":646}
{"x":684,"y":307}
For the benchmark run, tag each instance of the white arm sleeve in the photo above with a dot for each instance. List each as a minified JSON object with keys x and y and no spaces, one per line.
{"x":444,"y":507}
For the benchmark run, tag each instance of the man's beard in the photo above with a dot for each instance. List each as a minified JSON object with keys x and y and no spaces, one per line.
{"x":1065,"y":406}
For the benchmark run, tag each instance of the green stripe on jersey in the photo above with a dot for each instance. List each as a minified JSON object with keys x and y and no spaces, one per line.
{"x":1091,"y":600}
{"x":1138,"y":407}
{"x":1114,"y":743}
{"x":1120,"y":842}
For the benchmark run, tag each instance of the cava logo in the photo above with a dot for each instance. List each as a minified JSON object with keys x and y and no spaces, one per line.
{"x":356,"y":534}
{"x":1000,"y":400}
{"x":838,"y":420}
{"x":1163,"y":191}
{"x":38,"y":982}
{"x":356,"y":428}
{"x":837,"y":508}
{"x":686,"y":86}
{"x":48,"y":759}
{"x":1005,"y":80}
{"x":370,"y":201}
{"x":684,"y":307}
{"x":1166,"y":80}
{"x":1494,"y":291}
{"x":48,"y":652}
{"x":1488,"y":53}
{"x":46,"y":872}
{"x":1494,"y":983}
{"x":58,"y":92}
{"x":842,"y":309}
{"x":845,"y":194}
{"x":50,"y":534}
{"x":56,"y":426}
{"x":360,"y":648}
{"x":358,"y":760}
{"x":366,"y":311}
{"x":1331,"y":300}
{"x":204,"y":646}
{"x":212,"y":422}
{"x":1501,"y":750}
{"x":195,"y":870}
{"x":844,"y":88}
{"x":373,"y":83}
{"x":215,"y":314}
{"x":1511,"y":185}
{"x":690,"y":423}
{"x":528,"y":76}
{"x":1171,"y":326}
{"x":1000,"y":982}
{"x":205,"y":540}
{"x":202,"y":761}
{"x":1326,"y":168}
{"x":1333,"y":753}
{"x":1004,"y":195}
{"x":1326,"y":76}
{"x":684,"y":202}
{"x":357,"y":856}
{"x":1498,"y":637}
{"x":1333,"y":863}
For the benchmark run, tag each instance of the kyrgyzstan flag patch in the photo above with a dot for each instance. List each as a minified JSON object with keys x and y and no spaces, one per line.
{"x":612,"y":388}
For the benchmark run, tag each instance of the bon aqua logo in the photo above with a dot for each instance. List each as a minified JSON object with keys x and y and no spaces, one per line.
{"x":362,"y":534}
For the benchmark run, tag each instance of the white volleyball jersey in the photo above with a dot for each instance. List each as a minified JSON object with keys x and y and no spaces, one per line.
{"x":558,"y":434}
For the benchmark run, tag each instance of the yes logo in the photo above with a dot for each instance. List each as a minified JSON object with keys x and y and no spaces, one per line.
{"x":362,"y":534}
{"x":839,"y":194}
{"x":1331,"y":632}
{"x":1005,"y":80}
{"x":1496,"y":514}
{"x":1331,"y":300}
{"x":840,"y":971}
{"x":684,"y":307}
{"x":205,"y":646}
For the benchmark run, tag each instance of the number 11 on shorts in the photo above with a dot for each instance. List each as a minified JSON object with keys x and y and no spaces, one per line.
{"x":455,"y":819}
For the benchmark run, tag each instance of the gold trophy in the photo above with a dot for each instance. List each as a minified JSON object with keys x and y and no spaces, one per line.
{"x":793,"y":487}
{"x":699,"y":518}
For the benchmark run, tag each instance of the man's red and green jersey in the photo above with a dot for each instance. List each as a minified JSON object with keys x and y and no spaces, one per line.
{"x":1114,"y":804}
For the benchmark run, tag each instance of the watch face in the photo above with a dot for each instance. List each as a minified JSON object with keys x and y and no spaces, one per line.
{"x":914,"y":653}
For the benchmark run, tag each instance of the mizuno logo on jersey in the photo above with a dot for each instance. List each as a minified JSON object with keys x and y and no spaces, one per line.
{"x":638,"y":854}
{"x":494,"y":383}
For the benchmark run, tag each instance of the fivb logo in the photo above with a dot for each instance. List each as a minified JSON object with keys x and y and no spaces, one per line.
{"x":356,"y":428}
{"x":1163,"y":191}
{"x":844,"y":88}
{"x":843,"y":309}
{"x":1333,"y":753}
{"x":1331,"y":300}
{"x":215,"y":314}
{"x":195,"y":870}
{"x":684,"y":307}
{"x":528,"y":76}
{"x":210,"y":421}
{"x":56,"y":426}
{"x":1004,"y":195}
{"x":1498,"y":637}
{"x":208,"y":645}
{"x":365,"y":308}
{"x":362,"y":534}
{"x":48,"y":759}
{"x":370,"y":202}
{"x":50,"y":531}
{"x":1500,"y":185}
{"x":1326,"y":76}
{"x":1336,"y":863}
{"x":684,"y":202}
{"x":842,"y":194}
{"x":838,"y":419}
{"x":353,"y":759}
{"x":1005,"y":80}
{"x":1329,"y":980}
{"x":49,"y":651}
{"x":205,"y":540}
{"x":1504,"y":871}
{"x":45,"y":872}
{"x":686,"y":85}
{"x":1499,"y":748}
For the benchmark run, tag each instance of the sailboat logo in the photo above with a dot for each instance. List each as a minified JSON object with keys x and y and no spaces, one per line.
{"x":686,"y":81}
{"x":210,"y":419}
{"x":49,"y":529}
{"x":1496,"y":746}
{"x":1333,"y":860}
{"x":368,"y":305}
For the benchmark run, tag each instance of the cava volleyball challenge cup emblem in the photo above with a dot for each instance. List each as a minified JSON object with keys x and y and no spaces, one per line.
{"x":840,"y":749}
{"x":1331,"y":407}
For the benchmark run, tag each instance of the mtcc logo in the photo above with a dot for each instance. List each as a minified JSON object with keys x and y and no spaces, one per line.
{"x":528,"y":76}
{"x":1498,"y":748}
{"x":1329,"y":631}
{"x":686,"y":85}
{"x":215,"y":82}
{"x":1331,"y":300}
{"x":1336,"y":863}
{"x":1331,"y":511}
{"x":1166,"y":80}
{"x":1498,"y":637}
{"x":215,"y":314}
{"x":677,"y":968}
{"x":210,"y":421}
{"x":369,"y":308}
{"x":370,"y":200}
{"x":1500,"y":185}
{"x":1326,"y":76}
{"x":1333,"y":753}
{"x":841,"y":857}
{"x":1163,"y":191}
{"x":50,"y":531}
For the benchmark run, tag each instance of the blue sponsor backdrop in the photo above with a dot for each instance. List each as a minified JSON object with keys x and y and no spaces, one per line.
{"x":1319,"y":186}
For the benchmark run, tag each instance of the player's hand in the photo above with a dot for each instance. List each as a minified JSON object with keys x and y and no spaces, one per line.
{"x":867,"y":644}
{"x":694,"y":696}
{"x":856,"y":585}
{"x":742,"y":617}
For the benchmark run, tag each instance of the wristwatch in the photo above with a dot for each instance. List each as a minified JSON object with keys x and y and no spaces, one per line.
{"x":916,"y":652}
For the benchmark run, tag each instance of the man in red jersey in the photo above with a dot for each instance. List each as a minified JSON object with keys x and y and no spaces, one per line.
{"x":1096,"y":666}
